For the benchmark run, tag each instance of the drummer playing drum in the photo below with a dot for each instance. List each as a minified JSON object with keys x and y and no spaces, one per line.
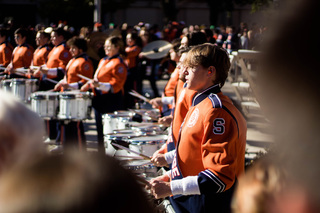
{"x":79,"y":64}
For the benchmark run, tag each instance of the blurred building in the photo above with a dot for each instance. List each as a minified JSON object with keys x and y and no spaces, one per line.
{"x":27,"y":12}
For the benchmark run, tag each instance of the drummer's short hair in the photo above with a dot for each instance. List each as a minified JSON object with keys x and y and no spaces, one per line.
{"x":81,"y":43}
{"x":61,"y":32}
{"x":207,"y":55}
{"x":118,"y":42}
{"x":45,"y":34}
{"x":176,"y":43}
{"x":22,"y":31}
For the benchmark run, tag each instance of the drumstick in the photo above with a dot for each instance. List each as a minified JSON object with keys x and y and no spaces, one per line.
{"x":128,"y":156}
{"x":135,"y":94}
{"x":34,"y":67}
{"x":129,"y":150}
{"x":21,"y":70}
{"x":141,"y":180}
{"x":142,"y":114}
{"x":84,"y":77}
{"x":52,"y":81}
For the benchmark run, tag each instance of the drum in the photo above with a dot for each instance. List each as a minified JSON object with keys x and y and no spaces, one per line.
{"x":142,"y":167}
{"x":148,"y":128}
{"x":46,"y":104}
{"x":23,"y":88}
{"x":112,"y":121}
{"x":149,"y":115}
{"x":6,"y":85}
{"x":118,"y":136}
{"x":74,"y":105}
{"x":147,"y":145}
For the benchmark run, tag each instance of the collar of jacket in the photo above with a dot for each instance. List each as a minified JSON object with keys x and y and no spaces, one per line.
{"x":204,"y":94}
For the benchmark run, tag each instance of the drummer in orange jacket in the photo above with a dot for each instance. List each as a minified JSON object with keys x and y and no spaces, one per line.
{"x":40,"y":55}
{"x":5,"y":48}
{"x":54,"y":69}
{"x":22,"y":54}
{"x":108,"y":83}
{"x":210,"y":150}
{"x":72,"y":132}
{"x":182,"y":101}
{"x":57,"y":61}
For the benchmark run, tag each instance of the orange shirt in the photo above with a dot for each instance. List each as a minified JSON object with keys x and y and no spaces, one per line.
{"x":212,"y":141}
{"x":132,"y":56}
{"x":79,"y":65}
{"x":40,"y":55}
{"x":58,"y":57}
{"x":172,"y":82}
{"x":112,"y":70}
{"x":5,"y":53}
{"x":22,"y":56}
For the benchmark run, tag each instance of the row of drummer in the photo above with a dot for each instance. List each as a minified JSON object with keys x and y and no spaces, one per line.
{"x":67,"y":67}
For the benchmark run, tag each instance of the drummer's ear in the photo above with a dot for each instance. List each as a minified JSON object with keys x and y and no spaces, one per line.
{"x":211,"y":69}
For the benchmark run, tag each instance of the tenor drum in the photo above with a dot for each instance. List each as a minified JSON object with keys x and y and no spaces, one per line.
{"x":74,"y":105}
{"x":6,"y":85}
{"x":112,"y":121}
{"x":147,"y":145}
{"x":118,"y":136}
{"x":46,"y":104}
{"x":23,"y":88}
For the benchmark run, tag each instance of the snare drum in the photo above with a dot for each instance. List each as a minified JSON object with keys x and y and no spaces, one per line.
{"x":23,"y":88}
{"x":45,"y":104}
{"x":74,"y":105}
{"x":112,"y":121}
{"x":142,"y":167}
{"x":148,"y":128}
{"x":147,"y":145}
{"x":118,"y":136}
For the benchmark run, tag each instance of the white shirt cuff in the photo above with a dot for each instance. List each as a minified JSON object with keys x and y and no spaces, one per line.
{"x":104,"y":86}
{"x":185,"y":186}
{"x":169,"y":156}
{"x":167,"y":99}
{"x":53,"y":71}
{"x":74,"y":85}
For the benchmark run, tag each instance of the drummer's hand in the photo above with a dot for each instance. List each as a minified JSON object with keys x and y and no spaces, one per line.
{"x":37,"y":73}
{"x":34,"y":71}
{"x":166,"y":120}
{"x":65,"y":85}
{"x":57,"y":87}
{"x":159,"y":188}
{"x":95,"y":83}
{"x":164,"y":178}
{"x":159,"y":160}
{"x":85,"y":87}
{"x":156,"y":102}
{"x":43,"y":70}
{"x":8,"y":69}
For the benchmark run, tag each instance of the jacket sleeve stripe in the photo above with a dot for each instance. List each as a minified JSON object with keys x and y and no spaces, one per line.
{"x":206,"y":178}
